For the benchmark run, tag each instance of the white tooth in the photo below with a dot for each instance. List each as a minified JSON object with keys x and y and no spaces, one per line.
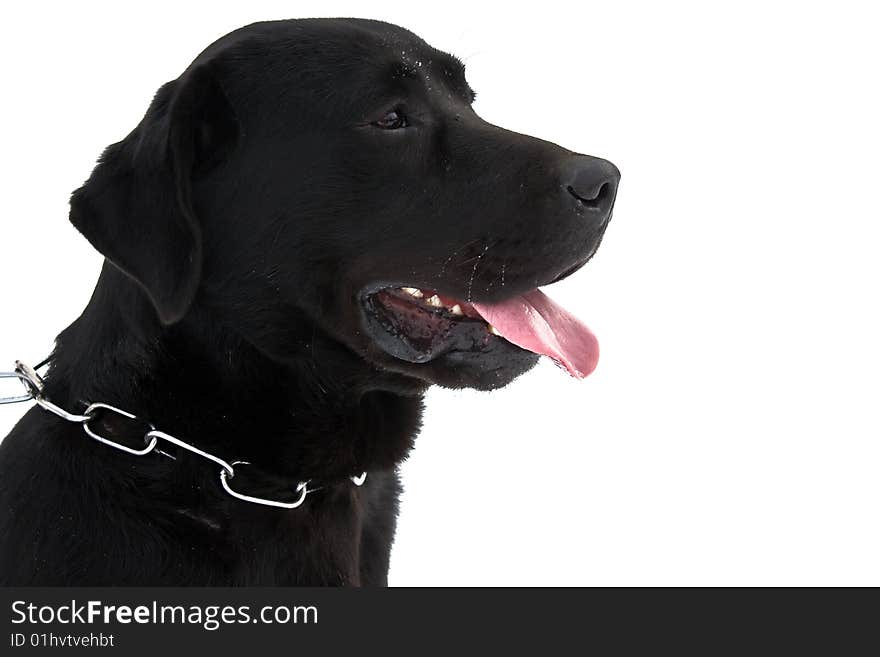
{"x":456,"y":310}
{"x":413,"y":291}
{"x":435,"y":301}
{"x":494,"y":331}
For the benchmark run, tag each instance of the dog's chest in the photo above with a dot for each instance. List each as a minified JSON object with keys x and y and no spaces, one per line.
{"x":318,"y":545}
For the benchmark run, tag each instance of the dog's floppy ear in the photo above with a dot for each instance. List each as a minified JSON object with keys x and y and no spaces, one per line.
{"x":136,"y":208}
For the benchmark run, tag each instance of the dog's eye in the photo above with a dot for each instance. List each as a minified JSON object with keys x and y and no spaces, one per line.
{"x":393,"y":120}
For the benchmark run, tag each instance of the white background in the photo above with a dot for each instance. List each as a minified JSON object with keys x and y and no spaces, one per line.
{"x":730,"y":433}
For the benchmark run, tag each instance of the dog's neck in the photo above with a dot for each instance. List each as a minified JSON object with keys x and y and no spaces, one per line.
{"x":209,"y":386}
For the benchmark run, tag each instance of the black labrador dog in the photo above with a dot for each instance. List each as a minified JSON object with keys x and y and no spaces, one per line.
{"x":308,"y":228}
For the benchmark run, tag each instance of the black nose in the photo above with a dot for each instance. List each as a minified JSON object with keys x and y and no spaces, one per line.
{"x":592,"y":181}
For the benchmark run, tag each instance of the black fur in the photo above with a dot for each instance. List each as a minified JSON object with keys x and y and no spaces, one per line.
{"x":245,"y":223}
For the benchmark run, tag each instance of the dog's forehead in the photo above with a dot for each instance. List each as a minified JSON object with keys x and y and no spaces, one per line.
{"x":416,"y":61}
{"x":372,"y":56}
{"x":382,"y":52}
{"x":428,"y":64}
{"x":370,"y":39}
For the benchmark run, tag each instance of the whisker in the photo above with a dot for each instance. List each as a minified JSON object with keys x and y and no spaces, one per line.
{"x":474,"y":272}
{"x":456,"y":252}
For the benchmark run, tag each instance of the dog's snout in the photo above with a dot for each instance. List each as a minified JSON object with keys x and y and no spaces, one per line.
{"x":592,"y":181}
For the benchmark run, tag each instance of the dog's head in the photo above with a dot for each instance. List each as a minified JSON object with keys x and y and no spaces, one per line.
{"x":332,"y":177}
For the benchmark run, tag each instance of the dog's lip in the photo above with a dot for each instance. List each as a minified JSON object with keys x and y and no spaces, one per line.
{"x":568,"y":272}
{"x":512,"y":292}
{"x":416,"y":330}
{"x":433,"y":301}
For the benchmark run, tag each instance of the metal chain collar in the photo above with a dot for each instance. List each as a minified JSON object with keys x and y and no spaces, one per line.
{"x":33,"y":384}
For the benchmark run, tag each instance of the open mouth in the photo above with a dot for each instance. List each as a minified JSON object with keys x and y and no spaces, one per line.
{"x":420,"y":325}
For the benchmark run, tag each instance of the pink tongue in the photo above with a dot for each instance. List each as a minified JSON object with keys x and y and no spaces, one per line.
{"x":532,"y":321}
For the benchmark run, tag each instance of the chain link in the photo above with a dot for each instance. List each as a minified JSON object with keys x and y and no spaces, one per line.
{"x":14,"y":399}
{"x":33,"y":385}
